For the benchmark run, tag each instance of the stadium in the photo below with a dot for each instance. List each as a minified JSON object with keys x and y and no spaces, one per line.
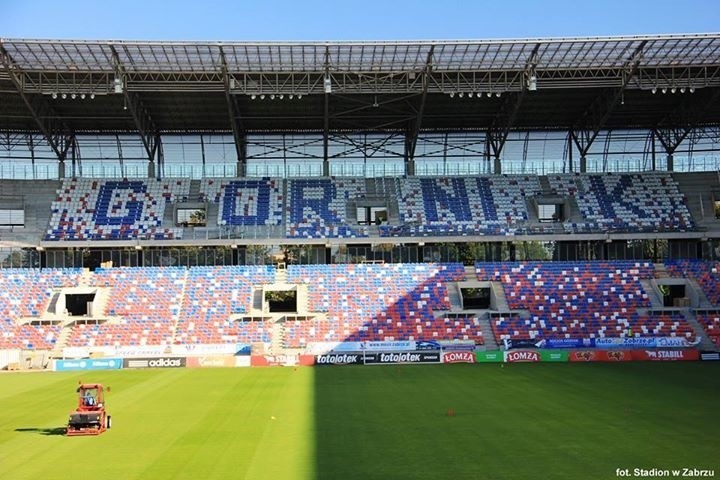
{"x":522,"y":235}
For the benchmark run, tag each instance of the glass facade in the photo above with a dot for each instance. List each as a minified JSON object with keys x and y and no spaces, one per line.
{"x":354,"y":154}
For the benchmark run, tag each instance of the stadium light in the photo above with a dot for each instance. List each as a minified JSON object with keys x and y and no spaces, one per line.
{"x":682,"y":89}
{"x":654,"y":90}
{"x":291,"y":96}
{"x":64,"y":96}
{"x":664,"y":90}
{"x":82,"y":96}
{"x":92,"y":96}
{"x":281,"y":96}
{"x":692,"y":89}
{"x":673,"y":90}
{"x":461,"y":95}
{"x":328,"y":84}
{"x":262,"y":97}
{"x":272,"y":96}
{"x":118,"y":85}
{"x":532,"y":83}
{"x":253,"y":96}
{"x":470,"y":95}
{"x":54,"y":95}
{"x":489,"y":94}
{"x":497,"y":94}
{"x":73,"y":96}
{"x":299,"y":96}
{"x":452,"y":94}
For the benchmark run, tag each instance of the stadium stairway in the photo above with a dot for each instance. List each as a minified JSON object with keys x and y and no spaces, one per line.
{"x":703,"y":300}
{"x":501,"y":303}
{"x":454,"y":297}
{"x":61,"y":341}
{"x":700,"y":332}
{"x":698,"y":188}
{"x":278,"y":338}
{"x":655,"y":300}
{"x":488,"y":335}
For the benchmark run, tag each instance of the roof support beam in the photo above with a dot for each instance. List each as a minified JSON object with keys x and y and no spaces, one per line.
{"x":505,"y":118}
{"x":674,"y":127}
{"x":58,"y":135}
{"x":239,"y":135}
{"x":412,"y":140}
{"x":586,"y":129}
{"x":326,"y":115}
{"x":148,"y":131}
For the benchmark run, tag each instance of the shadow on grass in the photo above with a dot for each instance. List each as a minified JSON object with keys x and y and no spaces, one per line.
{"x":43,"y":431}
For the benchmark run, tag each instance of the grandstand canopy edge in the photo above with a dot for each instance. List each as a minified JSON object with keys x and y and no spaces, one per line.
{"x":57,"y":91}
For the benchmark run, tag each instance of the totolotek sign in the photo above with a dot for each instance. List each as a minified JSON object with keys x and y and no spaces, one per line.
{"x":403,"y":357}
{"x":161,"y":362}
{"x":341,"y":359}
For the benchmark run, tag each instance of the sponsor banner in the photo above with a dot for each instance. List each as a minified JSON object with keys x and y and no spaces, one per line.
{"x":143,"y":351}
{"x":341,"y":358}
{"x":491,"y":356}
{"x":89,"y":364}
{"x":515,"y":356}
{"x":395,"y":346}
{"x":274,"y":360}
{"x":427,"y":345}
{"x":319,"y":348}
{"x":210,"y":361}
{"x":553,"y":356}
{"x":600,"y":356}
{"x":458,"y":357}
{"x":382,"y":358}
{"x":159,"y":362}
{"x":569,"y":343}
{"x":211,"y":349}
{"x":242,"y":361}
{"x":457,"y":345}
{"x":674,"y":342}
{"x":644,"y":342}
{"x":510,"y":344}
{"x":710,"y":356}
{"x":666,"y":355}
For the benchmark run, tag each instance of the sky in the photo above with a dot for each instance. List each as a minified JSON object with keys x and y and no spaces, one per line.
{"x":328,"y":20}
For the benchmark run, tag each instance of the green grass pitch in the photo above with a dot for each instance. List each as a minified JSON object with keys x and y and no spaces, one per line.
{"x":520,"y":421}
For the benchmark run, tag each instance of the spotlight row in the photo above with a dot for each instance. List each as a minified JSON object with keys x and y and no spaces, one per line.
{"x":473,"y":94}
{"x":672,"y":90}
{"x":74,"y":96}
{"x":273,"y":96}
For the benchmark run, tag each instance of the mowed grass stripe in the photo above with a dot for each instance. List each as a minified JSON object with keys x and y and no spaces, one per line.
{"x":174,"y":424}
{"x":515,"y":421}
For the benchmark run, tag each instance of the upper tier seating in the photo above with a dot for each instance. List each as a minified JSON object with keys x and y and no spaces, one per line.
{"x":462,"y":206}
{"x":706,"y":273}
{"x":96,"y":209}
{"x":648,"y":201}
{"x":317,"y":207}
{"x":577,"y":300}
{"x":245,"y":201}
{"x":213,"y":295}
{"x":26,"y":293}
{"x":147,"y":302}
{"x":377,"y":302}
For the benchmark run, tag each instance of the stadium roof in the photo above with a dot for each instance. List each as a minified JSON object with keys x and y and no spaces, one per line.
{"x":580,"y":84}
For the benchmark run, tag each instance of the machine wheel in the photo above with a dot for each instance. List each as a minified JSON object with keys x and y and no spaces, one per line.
{"x":108,"y":422}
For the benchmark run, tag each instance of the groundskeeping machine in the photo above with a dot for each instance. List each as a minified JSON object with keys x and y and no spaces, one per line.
{"x":90,"y":416}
